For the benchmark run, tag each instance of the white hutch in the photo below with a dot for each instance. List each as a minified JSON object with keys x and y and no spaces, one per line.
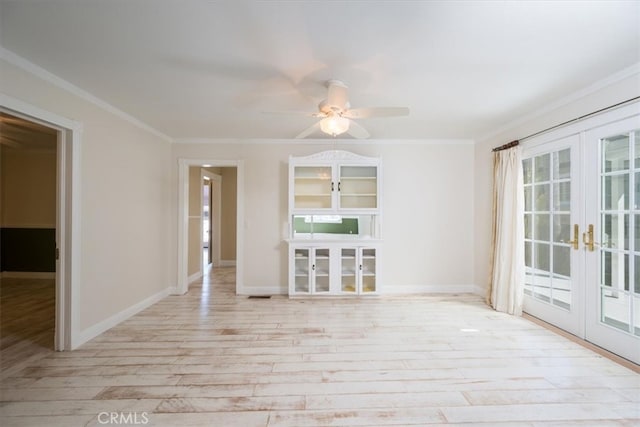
{"x":334,"y":224}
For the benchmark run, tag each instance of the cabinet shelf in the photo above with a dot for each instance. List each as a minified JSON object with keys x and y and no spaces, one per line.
{"x":312,"y":178}
{"x":358,"y":178}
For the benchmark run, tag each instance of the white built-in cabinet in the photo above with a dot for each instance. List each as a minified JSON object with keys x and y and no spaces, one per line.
{"x":334,"y":268}
{"x":334,"y":224}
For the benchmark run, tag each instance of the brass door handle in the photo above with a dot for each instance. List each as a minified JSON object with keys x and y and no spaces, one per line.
{"x":576,"y":237}
{"x":588,"y":240}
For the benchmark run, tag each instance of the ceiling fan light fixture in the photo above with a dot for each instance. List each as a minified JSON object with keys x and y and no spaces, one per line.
{"x":334,"y":125}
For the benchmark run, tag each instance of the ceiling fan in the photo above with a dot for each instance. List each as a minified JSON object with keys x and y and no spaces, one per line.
{"x":337,"y":116}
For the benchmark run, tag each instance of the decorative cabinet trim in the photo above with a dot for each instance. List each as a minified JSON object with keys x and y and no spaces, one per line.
{"x":335,"y":156}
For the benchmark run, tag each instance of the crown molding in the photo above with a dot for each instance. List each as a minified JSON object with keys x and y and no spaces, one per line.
{"x":593,"y":88}
{"x":327,"y":142}
{"x":28,"y":66}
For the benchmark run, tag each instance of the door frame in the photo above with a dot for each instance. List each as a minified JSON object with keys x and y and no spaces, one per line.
{"x":66,"y":336}
{"x":182,"y":285}
{"x":215,"y":180}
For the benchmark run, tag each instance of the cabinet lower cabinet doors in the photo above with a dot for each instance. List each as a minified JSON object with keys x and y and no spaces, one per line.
{"x":337,"y":270}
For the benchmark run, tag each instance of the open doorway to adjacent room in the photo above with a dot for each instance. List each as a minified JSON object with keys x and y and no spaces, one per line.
{"x":212,"y":217}
{"x":212,"y":185}
{"x":36,"y":156}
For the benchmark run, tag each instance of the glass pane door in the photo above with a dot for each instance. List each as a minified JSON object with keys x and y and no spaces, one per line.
{"x":312,"y":187}
{"x":548,"y":227}
{"x":368,"y":270}
{"x":321,"y":270}
{"x":301,"y":272}
{"x":551,"y":229}
{"x":358,"y":187}
{"x":616,"y":219}
{"x":612,"y":239}
{"x":348,"y":270}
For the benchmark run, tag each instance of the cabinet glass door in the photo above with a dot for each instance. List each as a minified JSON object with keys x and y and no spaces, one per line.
{"x":301,"y":272}
{"x":358,"y":187}
{"x":312,"y":187}
{"x":368,"y":270}
{"x":322,"y":271}
{"x":348,"y":271}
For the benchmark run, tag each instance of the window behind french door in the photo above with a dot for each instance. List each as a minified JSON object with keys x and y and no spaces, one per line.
{"x":582,"y":234}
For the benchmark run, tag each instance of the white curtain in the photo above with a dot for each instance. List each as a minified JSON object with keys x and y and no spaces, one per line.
{"x":506,"y":286}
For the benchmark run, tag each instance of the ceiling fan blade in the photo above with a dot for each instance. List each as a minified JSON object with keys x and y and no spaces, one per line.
{"x":295,"y":113}
{"x":305,"y":133}
{"x":357,"y":131}
{"x":363,"y":113}
{"x":337,"y":94}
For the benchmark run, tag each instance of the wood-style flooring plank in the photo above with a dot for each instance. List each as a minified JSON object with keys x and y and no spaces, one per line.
{"x":213,"y":358}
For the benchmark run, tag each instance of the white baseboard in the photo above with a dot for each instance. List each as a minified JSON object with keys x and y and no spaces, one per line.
{"x":105,"y":325}
{"x":174,"y":291}
{"x":27,"y":275}
{"x":430,"y":289}
{"x":479,"y":290}
{"x":386,"y":290}
{"x":194,"y":277}
{"x":227,"y":263}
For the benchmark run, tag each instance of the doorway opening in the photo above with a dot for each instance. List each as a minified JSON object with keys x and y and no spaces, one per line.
{"x":214,"y":191}
{"x":207,"y":215}
{"x":39,"y":151}
{"x":208,"y":236}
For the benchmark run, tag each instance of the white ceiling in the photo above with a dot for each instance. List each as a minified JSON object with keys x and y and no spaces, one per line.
{"x":209,"y":69}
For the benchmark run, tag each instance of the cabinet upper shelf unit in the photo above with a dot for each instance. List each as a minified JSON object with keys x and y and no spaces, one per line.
{"x":334,"y":181}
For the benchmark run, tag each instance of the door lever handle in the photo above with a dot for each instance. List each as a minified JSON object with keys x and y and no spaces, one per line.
{"x":588,"y":239}
{"x":576,"y":237}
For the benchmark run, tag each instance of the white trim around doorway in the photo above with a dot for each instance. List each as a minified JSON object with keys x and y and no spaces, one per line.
{"x":67,"y":215}
{"x":182,"y":285}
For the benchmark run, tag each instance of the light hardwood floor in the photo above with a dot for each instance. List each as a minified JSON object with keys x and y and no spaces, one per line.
{"x":27,"y":321}
{"x":211,"y":358}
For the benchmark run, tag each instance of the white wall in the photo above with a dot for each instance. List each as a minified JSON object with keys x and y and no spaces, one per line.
{"x":124,"y":202}
{"x":427,"y":206}
{"x":624,"y":86}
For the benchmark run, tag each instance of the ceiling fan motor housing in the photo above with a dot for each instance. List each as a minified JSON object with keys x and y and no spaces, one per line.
{"x":331,"y":110}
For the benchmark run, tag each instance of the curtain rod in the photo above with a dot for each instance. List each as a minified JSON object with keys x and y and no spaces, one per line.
{"x":516,"y":142}
{"x":506,"y":146}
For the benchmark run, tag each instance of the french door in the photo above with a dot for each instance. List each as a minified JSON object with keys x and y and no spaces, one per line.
{"x":612,"y":239}
{"x":553,"y":214}
{"x":582,"y":234}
